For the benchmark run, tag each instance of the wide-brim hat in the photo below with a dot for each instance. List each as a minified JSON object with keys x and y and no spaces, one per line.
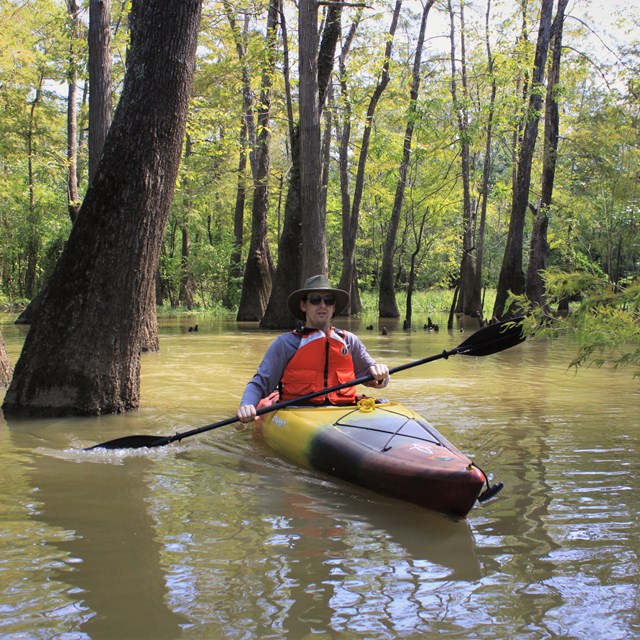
{"x":316,"y":283}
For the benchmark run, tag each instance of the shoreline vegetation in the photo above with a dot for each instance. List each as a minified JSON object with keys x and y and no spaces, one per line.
{"x":436,"y":300}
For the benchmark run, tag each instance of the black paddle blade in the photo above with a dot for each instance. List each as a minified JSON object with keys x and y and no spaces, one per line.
{"x":490,"y":492}
{"x":493,"y":338}
{"x":132,"y":442}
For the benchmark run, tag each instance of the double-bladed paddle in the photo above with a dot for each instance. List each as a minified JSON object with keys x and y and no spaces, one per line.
{"x":484,"y":342}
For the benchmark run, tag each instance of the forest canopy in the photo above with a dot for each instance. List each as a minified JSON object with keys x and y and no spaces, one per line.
{"x":475,"y":74}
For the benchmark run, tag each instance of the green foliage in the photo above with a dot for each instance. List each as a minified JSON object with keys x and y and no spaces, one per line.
{"x":434,"y":300}
{"x":604,"y":320}
{"x":594,"y":220}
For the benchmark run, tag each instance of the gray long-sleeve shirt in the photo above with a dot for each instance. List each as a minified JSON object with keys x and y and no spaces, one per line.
{"x":282,"y":350}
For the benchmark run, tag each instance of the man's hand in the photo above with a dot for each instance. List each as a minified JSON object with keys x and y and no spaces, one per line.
{"x":246,"y":413}
{"x":380,"y":373}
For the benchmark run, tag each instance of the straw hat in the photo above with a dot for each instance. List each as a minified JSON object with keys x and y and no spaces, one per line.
{"x":316,"y":283}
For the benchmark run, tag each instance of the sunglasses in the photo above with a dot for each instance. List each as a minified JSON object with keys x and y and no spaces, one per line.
{"x":316,"y":298}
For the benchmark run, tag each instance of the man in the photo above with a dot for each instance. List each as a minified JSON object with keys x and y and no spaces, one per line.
{"x":315,"y":357}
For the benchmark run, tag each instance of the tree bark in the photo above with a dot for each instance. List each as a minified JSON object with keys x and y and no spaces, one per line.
{"x":100,"y":89}
{"x":511,"y":274}
{"x":539,"y":247}
{"x":288,"y":273}
{"x":314,"y":250}
{"x":82,"y":354}
{"x":256,"y":285}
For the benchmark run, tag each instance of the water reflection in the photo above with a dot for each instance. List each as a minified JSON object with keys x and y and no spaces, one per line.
{"x":108,"y":567}
{"x":318,"y":555}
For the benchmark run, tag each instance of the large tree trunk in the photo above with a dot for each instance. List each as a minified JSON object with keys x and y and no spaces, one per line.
{"x":100,"y":89}
{"x":511,"y":274}
{"x":256,"y":285}
{"x":314,"y":249}
{"x":82,"y":354}
{"x":539,"y":248}
{"x":288,"y":273}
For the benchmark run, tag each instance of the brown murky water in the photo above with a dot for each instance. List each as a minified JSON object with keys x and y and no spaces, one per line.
{"x":215,"y":537}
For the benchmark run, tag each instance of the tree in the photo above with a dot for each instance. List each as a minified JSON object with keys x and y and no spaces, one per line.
{"x":539,"y":246}
{"x":511,"y":274}
{"x":348,"y":277}
{"x":469,"y":296}
{"x":351,"y":210}
{"x":33,"y":238}
{"x":418,"y":225}
{"x":187,"y":285}
{"x":314,"y":249}
{"x":386,"y":277}
{"x":288,"y":272}
{"x":592,"y":218}
{"x":486,"y":166}
{"x":256,"y":285}
{"x":387,"y":306}
{"x":100,"y":88}
{"x":246,"y":142}
{"x":82,"y":354}
{"x":604,"y":324}
{"x":72,"y":112}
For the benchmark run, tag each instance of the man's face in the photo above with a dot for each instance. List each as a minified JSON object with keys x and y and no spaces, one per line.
{"x":319,"y":307}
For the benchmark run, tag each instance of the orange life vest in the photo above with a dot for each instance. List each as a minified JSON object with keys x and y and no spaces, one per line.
{"x":321,"y":361}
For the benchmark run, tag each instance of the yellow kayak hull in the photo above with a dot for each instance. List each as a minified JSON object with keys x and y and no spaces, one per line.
{"x":379,"y":445}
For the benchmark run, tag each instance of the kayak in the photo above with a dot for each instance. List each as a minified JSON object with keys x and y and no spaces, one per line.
{"x":380,"y":445}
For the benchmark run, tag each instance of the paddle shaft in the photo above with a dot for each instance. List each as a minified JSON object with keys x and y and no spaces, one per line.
{"x":309,"y":396}
{"x":487,"y":340}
